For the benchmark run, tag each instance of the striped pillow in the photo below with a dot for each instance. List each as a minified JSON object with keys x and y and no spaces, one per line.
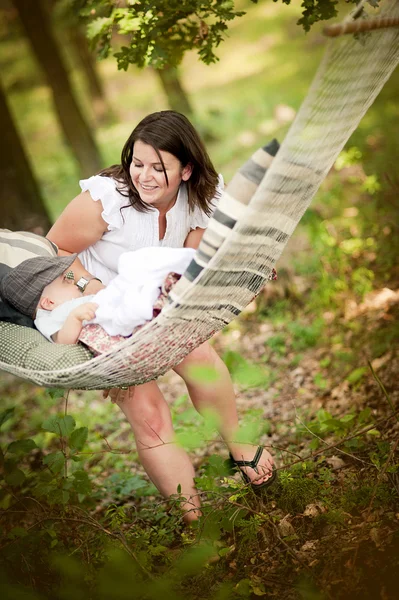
{"x":232,"y":205}
{"x":17,"y":246}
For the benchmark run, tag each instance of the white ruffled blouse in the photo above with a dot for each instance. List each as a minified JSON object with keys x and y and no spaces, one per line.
{"x":129,"y":229}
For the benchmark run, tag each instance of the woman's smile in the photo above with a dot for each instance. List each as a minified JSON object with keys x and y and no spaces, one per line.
{"x":155,"y":185}
{"x":148,"y":188}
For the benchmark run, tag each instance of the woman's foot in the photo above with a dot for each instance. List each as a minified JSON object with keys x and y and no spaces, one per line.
{"x":262,"y":463}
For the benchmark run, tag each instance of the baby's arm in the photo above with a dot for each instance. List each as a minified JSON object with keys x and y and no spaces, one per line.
{"x":69,"y":332}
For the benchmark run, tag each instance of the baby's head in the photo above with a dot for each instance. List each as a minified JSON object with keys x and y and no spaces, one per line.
{"x":40,"y":282}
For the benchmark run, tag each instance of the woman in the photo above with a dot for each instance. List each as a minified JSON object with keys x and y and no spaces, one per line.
{"x":162,"y":194}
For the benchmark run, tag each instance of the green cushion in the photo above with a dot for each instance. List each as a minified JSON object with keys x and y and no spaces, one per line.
{"x":29,"y":349}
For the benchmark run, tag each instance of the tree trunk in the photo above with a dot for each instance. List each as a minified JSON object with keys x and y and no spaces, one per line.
{"x":22,"y":206}
{"x":76,"y":131}
{"x":177,"y":97}
{"x":102,"y":111}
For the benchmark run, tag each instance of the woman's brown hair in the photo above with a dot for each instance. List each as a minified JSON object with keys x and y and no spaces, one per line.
{"x":172,"y":132}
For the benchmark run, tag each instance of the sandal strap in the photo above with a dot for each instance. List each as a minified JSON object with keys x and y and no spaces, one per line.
{"x":250,"y":463}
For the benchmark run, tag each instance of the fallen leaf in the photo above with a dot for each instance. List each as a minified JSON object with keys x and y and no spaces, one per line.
{"x":308,"y":546}
{"x":335,"y":462}
{"x":375,"y":535}
{"x":313,"y":510}
{"x":285,"y":528}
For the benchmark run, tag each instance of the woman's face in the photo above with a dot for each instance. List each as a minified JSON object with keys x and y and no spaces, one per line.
{"x":149,"y":179}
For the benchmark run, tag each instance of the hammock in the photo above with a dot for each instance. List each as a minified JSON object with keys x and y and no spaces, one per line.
{"x":253,"y":223}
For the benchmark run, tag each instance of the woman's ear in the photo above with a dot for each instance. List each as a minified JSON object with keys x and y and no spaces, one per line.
{"x":45,"y":303}
{"x":186,"y":172}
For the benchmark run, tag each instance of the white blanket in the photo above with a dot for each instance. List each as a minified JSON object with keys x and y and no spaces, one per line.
{"x":128,"y":299}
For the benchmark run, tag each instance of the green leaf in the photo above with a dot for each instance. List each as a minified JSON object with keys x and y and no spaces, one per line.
{"x":243,"y":588}
{"x":211,"y":423}
{"x":157,"y":550}
{"x":356,"y":375}
{"x":203,"y":374}
{"x":347,"y":418}
{"x":55,"y":461}
{"x":248,"y":433}
{"x":364,"y":415}
{"x":21,"y":446}
{"x":323,"y":415}
{"x":75,"y":458}
{"x":61,"y":425}
{"x":78,"y":438}
{"x":6,"y":414}
{"x":17,"y":532}
{"x":129,"y":23}
{"x":331,"y":425}
{"x":320,"y":381}
{"x":189,"y":439}
{"x":15,"y":477}
{"x":56,"y":393}
{"x":258,"y":589}
{"x":224,"y":551}
{"x":81,"y":482}
{"x":252,"y":375}
{"x":99,"y":26}
{"x":374,"y":432}
{"x":314,"y":444}
{"x":58,"y":497}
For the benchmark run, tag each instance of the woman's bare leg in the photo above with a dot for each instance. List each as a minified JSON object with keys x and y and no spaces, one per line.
{"x":218,"y":396}
{"x":166,"y":463}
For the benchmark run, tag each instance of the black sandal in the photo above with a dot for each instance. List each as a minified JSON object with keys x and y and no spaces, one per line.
{"x":235,"y":465}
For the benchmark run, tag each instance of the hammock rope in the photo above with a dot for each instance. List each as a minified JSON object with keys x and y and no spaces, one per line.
{"x":250,"y":228}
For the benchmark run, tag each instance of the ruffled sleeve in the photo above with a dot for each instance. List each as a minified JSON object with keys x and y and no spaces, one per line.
{"x":104,"y":189}
{"x":198,"y":217}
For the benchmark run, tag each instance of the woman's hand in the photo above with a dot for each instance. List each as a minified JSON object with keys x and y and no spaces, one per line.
{"x":194,"y":237}
{"x":118,"y":394}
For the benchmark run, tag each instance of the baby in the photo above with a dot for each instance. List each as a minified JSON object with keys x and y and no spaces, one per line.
{"x":44,"y":289}
{"x":43,"y":284}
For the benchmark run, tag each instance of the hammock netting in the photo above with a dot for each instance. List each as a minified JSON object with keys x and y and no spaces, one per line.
{"x":249,"y":230}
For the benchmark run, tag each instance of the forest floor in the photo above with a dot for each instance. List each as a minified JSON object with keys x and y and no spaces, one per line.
{"x":332,"y":525}
{"x":320,"y":391}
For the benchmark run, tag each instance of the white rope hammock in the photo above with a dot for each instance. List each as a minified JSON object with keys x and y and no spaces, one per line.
{"x":247,"y":234}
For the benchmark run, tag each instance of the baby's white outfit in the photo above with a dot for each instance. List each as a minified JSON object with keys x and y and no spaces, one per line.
{"x":129,"y":229}
{"x":129,"y":298}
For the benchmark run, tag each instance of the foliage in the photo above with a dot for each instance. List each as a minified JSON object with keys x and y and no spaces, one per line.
{"x":159,"y":33}
{"x":98,"y":537}
{"x":314,"y":11}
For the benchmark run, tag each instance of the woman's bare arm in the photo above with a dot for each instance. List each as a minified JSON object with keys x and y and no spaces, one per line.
{"x":79,"y":226}
{"x":194,"y":237}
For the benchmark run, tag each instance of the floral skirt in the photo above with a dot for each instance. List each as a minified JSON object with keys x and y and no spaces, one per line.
{"x":98,"y":341}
